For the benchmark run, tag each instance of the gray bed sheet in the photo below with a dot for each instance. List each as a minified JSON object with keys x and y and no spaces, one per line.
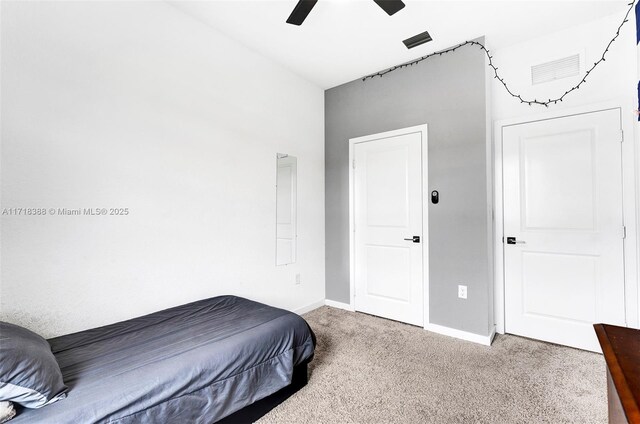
{"x":195,"y":363}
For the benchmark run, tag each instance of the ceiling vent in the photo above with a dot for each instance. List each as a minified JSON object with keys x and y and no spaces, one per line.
{"x":555,"y":70}
{"x":416,"y":40}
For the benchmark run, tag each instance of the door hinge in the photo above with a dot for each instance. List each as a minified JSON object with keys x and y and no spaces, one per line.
{"x":353,"y":164}
{"x":621,"y":136}
{"x":624,"y":232}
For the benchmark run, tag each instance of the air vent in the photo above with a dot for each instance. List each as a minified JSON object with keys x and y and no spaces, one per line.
{"x":416,"y":40}
{"x":555,"y":70}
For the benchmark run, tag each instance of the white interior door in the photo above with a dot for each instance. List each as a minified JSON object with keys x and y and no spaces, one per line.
{"x":388,"y":227}
{"x":563,"y":227}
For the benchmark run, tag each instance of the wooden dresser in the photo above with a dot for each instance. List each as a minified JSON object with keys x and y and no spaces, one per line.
{"x":621,"y":348}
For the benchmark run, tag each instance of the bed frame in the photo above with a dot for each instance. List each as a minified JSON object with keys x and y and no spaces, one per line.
{"x":256,"y":410}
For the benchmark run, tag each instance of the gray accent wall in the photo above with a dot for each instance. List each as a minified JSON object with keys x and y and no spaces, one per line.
{"x":449,"y":94}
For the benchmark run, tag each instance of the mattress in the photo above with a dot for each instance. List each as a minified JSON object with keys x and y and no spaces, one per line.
{"x":194,"y":363}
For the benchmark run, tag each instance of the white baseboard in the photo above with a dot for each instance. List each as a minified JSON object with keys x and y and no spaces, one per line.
{"x":338,"y":305}
{"x":309,"y":308}
{"x":463,"y":335}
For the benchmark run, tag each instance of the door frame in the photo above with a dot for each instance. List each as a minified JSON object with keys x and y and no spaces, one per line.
{"x":630,"y":186}
{"x":422,"y":129}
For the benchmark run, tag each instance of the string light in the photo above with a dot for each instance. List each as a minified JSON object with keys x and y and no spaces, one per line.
{"x":495,"y":68}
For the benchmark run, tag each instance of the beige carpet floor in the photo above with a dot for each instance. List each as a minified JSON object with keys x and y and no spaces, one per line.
{"x":372,"y":370}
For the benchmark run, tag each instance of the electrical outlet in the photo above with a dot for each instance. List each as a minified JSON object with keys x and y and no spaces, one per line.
{"x":462,"y":292}
{"x":298,"y":279}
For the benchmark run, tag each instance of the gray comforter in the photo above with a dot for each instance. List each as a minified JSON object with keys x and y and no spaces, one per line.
{"x":195,"y":363}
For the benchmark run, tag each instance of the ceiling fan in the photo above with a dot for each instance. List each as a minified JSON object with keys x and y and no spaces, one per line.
{"x":303,"y":8}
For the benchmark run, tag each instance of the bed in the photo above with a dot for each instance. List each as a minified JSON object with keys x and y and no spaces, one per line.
{"x":196,"y":363}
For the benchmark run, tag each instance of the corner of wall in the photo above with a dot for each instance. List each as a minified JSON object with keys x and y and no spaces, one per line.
{"x":490,"y":192}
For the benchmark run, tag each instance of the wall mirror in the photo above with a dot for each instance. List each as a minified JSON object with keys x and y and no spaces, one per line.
{"x":286,"y":209}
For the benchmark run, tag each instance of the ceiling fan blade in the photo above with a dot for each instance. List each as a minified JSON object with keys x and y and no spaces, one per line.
{"x":390,"y":6}
{"x":301,"y":11}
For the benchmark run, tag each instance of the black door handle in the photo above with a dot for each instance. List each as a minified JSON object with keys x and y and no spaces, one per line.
{"x":415,"y":239}
{"x":512,"y":240}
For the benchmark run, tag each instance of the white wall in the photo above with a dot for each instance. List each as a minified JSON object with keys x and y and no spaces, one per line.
{"x":613,"y":82}
{"x":112,"y":104}
{"x":615,"y":79}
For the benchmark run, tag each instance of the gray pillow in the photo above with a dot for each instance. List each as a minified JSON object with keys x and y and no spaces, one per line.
{"x":29,"y":373}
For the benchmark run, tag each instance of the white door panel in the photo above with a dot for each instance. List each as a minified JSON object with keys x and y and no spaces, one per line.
{"x":385,"y":264}
{"x":563,"y":204}
{"x":388,"y":209}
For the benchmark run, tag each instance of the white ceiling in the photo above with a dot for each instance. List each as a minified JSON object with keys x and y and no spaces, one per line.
{"x":342,"y":40}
